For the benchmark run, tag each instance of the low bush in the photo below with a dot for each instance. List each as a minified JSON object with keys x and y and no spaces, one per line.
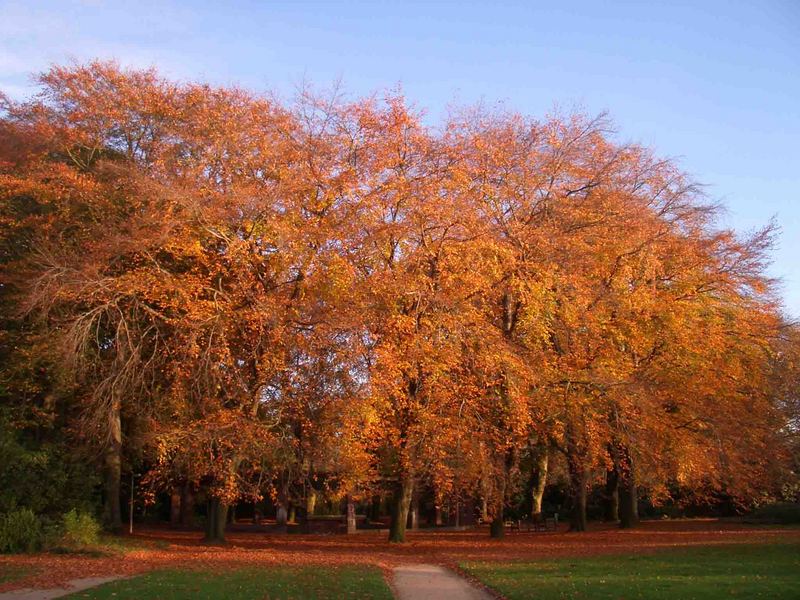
{"x":779,"y":512}
{"x":80,"y":529}
{"x":20,"y":531}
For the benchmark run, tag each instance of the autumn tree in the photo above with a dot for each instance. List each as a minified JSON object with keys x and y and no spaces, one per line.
{"x":264,"y":298}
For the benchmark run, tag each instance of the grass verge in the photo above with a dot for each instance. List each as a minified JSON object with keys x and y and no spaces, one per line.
{"x":273,"y":583}
{"x":703,"y":573}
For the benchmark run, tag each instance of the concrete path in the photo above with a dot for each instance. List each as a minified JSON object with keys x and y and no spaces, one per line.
{"x":431,"y":582}
{"x":76,"y":585}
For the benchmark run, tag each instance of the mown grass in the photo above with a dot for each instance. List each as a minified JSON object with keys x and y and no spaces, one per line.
{"x":704,"y":573}
{"x":273,"y":583}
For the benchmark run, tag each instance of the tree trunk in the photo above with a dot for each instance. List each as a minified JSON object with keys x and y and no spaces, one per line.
{"x":187,"y":505}
{"x":351,"y":516}
{"x":400,"y":506}
{"x":216,"y":521}
{"x":292,"y":513}
{"x":175,"y":507}
{"x":281,"y":515}
{"x":113,"y":470}
{"x":413,"y":513}
{"x":539,"y":481}
{"x":578,"y":477}
{"x":497,"y":529}
{"x":375,"y":508}
{"x":611,"y":496}
{"x":311,"y":502}
{"x":281,"y":512}
{"x":628,"y":496}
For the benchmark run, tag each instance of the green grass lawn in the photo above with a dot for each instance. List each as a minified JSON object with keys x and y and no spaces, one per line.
{"x":743,"y":571}
{"x":269,"y":583}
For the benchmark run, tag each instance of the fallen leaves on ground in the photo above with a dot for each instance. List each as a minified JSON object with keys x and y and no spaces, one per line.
{"x":158,"y":548}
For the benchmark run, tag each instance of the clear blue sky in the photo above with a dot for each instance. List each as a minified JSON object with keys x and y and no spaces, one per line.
{"x":715,"y":84}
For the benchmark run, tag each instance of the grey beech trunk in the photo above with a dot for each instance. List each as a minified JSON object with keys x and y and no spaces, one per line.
{"x":351,"y":516}
{"x":611,"y":496}
{"x":400,"y":506}
{"x":216,"y":521}
{"x":311,"y":501}
{"x":375,"y":508}
{"x":175,"y":507}
{"x":413,"y":513}
{"x":187,"y":505}
{"x":497,"y":528}
{"x":628,"y":495}
{"x":113,"y":468}
{"x":539,"y":480}
{"x":578,"y":479}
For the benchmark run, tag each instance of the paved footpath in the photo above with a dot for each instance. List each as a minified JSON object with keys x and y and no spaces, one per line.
{"x":76,"y":585}
{"x":431,"y":582}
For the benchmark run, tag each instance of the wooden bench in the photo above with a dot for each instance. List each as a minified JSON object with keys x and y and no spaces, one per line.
{"x":329,"y":523}
{"x":538,"y":522}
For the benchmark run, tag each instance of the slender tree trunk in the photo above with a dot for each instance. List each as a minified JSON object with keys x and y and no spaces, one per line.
{"x":611,"y":496}
{"x":539,"y":481}
{"x":400,"y":506}
{"x":578,"y":482}
{"x":216,"y":521}
{"x":281,"y":515}
{"x":628,"y":495}
{"x":292,"y":513}
{"x":281,"y":510}
{"x":351,"y":516}
{"x":311,"y":502}
{"x":187,"y":505}
{"x":413,"y":513}
{"x":113,"y":469}
{"x":375,"y":508}
{"x":175,"y":507}
{"x":497,"y":528}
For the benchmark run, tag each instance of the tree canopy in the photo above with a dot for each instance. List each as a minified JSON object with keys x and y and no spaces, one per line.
{"x":263,"y":298}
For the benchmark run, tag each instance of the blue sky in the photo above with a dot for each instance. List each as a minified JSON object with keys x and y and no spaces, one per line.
{"x":715,"y":85}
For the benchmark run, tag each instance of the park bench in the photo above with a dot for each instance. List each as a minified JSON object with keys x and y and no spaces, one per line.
{"x":329,"y":523}
{"x":538,"y":522}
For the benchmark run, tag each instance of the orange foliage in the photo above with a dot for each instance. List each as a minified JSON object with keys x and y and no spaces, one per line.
{"x":275,"y":295}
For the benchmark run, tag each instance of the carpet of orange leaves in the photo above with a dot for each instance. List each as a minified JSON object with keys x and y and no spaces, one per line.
{"x":183,"y":549}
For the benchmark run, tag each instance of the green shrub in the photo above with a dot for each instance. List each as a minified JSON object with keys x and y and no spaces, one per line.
{"x":49,"y":478}
{"x":80,"y":529}
{"x":20,"y":531}
{"x":780,"y":512}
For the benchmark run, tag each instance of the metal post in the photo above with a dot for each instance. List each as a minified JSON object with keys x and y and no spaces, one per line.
{"x":130,"y":510}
